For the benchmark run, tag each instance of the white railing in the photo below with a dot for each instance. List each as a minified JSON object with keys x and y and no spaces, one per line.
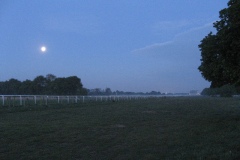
{"x":22,"y":100}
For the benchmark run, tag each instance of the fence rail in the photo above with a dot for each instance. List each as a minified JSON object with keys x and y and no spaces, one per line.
{"x":22,"y":100}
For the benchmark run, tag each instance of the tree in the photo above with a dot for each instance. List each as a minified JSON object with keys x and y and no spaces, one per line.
{"x":39,"y":85}
{"x":26,"y":87}
{"x":50,"y":77}
{"x":73,"y":85}
{"x":97,"y":91}
{"x":220,"y":63}
{"x":11,"y":87}
{"x":69,"y":86}
{"x":82,"y":91}
{"x":108,"y":91}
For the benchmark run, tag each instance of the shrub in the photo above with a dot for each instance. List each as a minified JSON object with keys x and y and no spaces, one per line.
{"x":224,"y":91}
{"x":227,"y":90}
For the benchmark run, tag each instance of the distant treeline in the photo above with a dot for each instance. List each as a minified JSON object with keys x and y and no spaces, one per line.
{"x":107,"y":91}
{"x":50,"y":84}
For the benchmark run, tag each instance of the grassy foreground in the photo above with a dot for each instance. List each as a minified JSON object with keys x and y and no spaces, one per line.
{"x":163,"y":128}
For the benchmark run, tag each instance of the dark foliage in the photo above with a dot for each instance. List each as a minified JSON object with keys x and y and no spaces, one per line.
{"x":224,"y":91}
{"x":220,"y":63}
{"x":50,"y":85}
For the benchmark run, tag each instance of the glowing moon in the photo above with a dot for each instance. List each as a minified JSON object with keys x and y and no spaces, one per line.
{"x":43,"y":49}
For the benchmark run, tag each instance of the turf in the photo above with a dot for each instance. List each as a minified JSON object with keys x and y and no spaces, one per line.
{"x":154,"y":128}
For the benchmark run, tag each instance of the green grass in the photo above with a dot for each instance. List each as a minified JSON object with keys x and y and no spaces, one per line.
{"x":171,"y":128}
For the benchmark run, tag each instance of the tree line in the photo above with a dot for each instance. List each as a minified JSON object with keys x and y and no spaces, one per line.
{"x":50,"y":85}
{"x":108,"y":91}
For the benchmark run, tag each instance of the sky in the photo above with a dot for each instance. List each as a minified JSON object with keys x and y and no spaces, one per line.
{"x":126,"y":45}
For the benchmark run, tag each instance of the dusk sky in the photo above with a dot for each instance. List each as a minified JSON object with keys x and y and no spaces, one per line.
{"x":126,"y":45}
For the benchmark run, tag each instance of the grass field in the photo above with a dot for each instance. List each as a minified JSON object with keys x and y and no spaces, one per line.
{"x":155,"y":128}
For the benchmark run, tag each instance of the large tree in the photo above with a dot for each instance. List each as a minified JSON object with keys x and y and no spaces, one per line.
{"x":220,"y":63}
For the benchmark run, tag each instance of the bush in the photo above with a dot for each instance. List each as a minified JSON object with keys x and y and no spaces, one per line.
{"x":210,"y":92}
{"x":224,"y":91}
{"x":227,"y":91}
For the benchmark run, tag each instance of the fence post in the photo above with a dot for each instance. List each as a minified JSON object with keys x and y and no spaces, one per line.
{"x":35,"y":100}
{"x":3,"y":100}
{"x":76,"y":99}
{"x":83,"y":99}
{"x":20,"y":100}
{"x":68,"y":98}
{"x":58,"y":99}
{"x":46,"y":100}
{"x":9,"y":101}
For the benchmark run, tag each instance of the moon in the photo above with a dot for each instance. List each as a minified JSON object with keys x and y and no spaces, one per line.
{"x":43,"y":49}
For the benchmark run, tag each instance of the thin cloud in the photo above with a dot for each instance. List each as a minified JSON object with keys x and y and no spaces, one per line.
{"x":164,"y":26}
{"x":195,"y":29}
{"x":171,"y":29}
{"x":151,"y":47}
{"x":188,"y":35}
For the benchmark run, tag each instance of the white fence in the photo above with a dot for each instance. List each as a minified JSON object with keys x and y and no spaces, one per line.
{"x":22,"y":100}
